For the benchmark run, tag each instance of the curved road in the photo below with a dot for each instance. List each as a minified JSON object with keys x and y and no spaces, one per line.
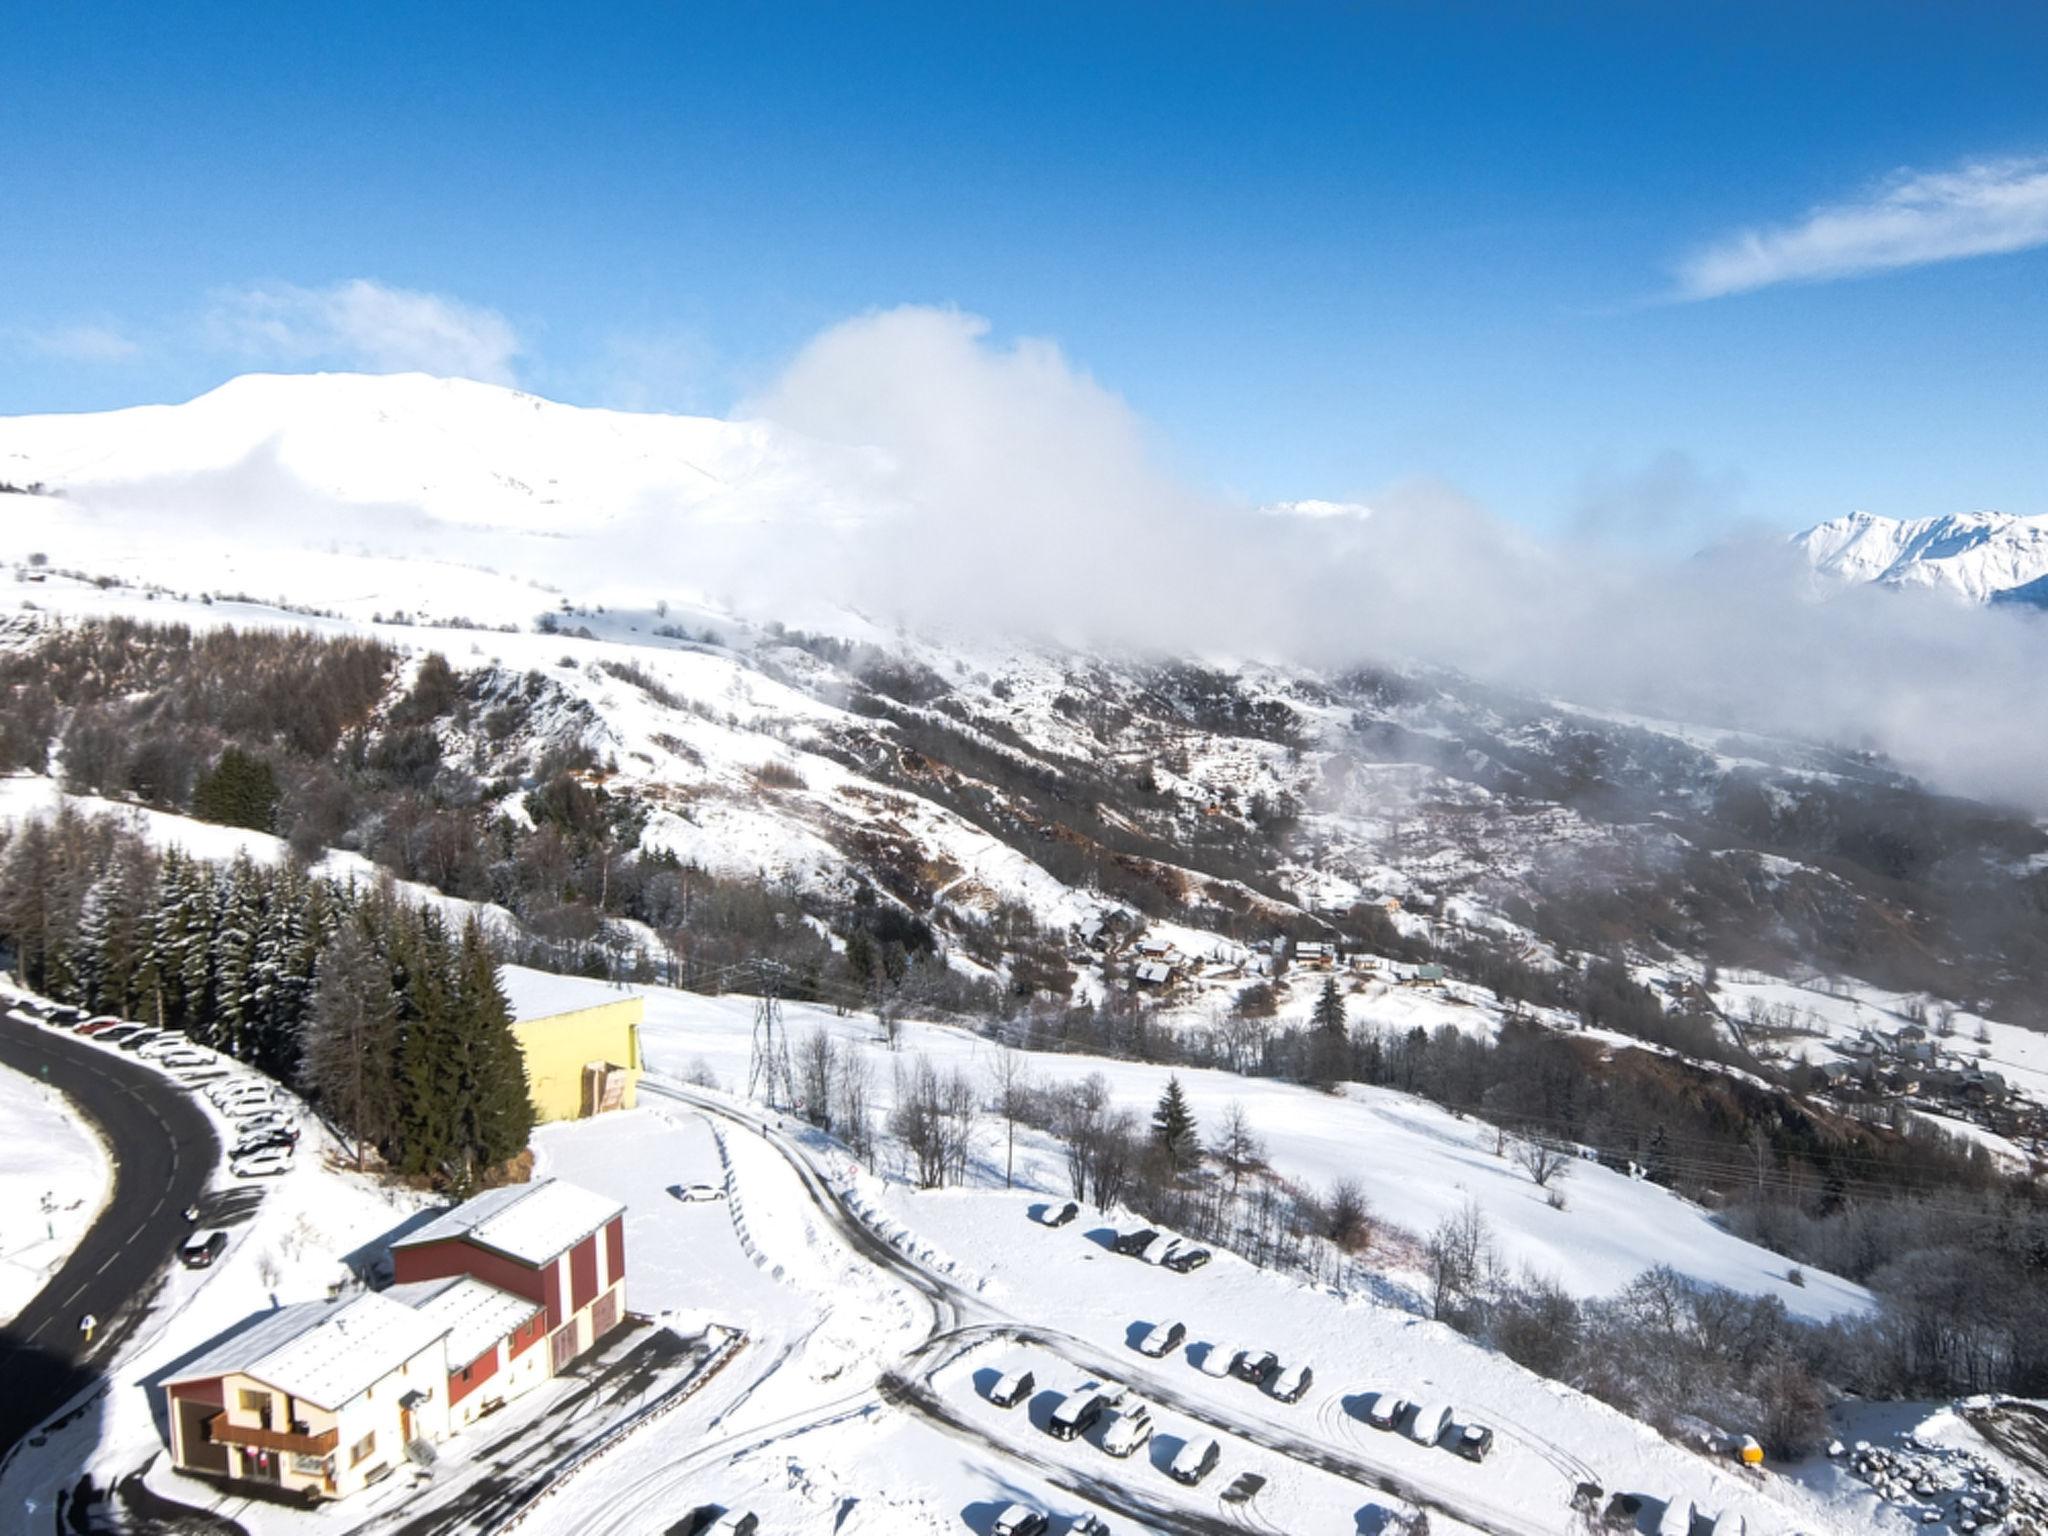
{"x":163,"y":1152}
{"x":909,"y":1384}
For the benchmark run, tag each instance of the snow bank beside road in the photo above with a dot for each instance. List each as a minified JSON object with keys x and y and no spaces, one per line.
{"x":54,"y":1182}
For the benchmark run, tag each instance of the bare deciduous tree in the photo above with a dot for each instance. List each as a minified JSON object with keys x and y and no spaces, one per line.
{"x":1543,"y":1160}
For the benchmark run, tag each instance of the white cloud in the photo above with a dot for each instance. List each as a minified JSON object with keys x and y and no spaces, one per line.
{"x":1982,"y":208}
{"x":366,"y":325}
{"x":87,"y":344}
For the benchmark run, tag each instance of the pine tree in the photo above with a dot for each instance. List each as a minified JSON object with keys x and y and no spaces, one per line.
{"x":232,"y":1019}
{"x":190,"y":952}
{"x":1174,"y":1129}
{"x":496,"y":1106}
{"x":429,"y":1075}
{"x":348,"y":1039}
{"x":239,"y":791}
{"x":1330,"y":1042}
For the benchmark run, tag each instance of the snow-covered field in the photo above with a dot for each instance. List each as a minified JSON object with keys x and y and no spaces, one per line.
{"x":817,"y":1453}
{"x":54,"y":1180}
{"x":1416,"y":1163}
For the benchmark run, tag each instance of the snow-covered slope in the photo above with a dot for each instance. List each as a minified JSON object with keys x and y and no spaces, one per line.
{"x":468,"y":454}
{"x":1980,"y":556}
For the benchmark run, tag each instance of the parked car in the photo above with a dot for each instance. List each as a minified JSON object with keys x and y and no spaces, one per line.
{"x":1195,"y":1461}
{"x":1012,"y":1389}
{"x":1183,"y":1260}
{"x":282,"y":1138}
{"x":1088,"y":1525}
{"x":1728,"y":1523}
{"x":140,"y":1038}
{"x":1241,"y":1490}
{"x":1162,"y":1339}
{"x":184,"y":1060}
{"x":1079,"y":1411}
{"x":1219,"y":1359}
{"x":1387,"y":1411}
{"x":1255,"y":1366}
{"x":164,"y":1044}
{"x":238,"y":1088}
{"x":1063,"y":1215}
{"x":1131,"y":1244}
{"x":1429,"y":1423}
{"x":117,"y":1034}
{"x":1676,"y":1518}
{"x":735,"y":1522}
{"x":100,"y":1025}
{"x":63,"y":1015}
{"x":1133,"y":1427}
{"x":1292,"y":1384}
{"x":249,"y":1106}
{"x":260,"y":1165}
{"x":1020,"y":1520}
{"x":691,"y":1194}
{"x":1159,"y":1249}
{"x":1474,"y":1442}
{"x":200,"y":1249}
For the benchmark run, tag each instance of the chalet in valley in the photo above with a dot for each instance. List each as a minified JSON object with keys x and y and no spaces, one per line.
{"x":492,"y":1298}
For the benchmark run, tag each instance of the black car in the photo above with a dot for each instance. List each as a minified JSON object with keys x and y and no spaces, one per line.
{"x":1255,"y":1366}
{"x":1063,"y":1215}
{"x":282,"y":1140}
{"x":1474,"y":1442}
{"x":1012,"y":1389}
{"x":1185,"y":1259}
{"x":1131,"y":1244}
{"x":200,"y":1249}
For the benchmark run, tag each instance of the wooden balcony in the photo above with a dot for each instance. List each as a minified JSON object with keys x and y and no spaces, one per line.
{"x":221,"y":1432}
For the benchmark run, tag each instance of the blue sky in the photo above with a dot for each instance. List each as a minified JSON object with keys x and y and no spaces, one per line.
{"x":1321,"y":249}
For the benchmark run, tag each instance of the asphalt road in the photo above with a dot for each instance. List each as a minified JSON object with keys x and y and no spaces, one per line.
{"x":164,"y":1153}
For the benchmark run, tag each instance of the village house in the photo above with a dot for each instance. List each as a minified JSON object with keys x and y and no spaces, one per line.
{"x":1152,"y":973}
{"x":551,"y":1243}
{"x":492,"y":1299}
{"x":1316,"y":955}
{"x":318,"y":1399}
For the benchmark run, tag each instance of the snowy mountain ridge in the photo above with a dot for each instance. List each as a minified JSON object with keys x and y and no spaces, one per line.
{"x":1983,"y":557}
{"x":463,"y":453}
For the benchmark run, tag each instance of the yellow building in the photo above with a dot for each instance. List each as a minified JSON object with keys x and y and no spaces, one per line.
{"x":581,"y":1040}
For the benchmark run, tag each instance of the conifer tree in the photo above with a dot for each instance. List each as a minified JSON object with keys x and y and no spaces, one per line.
{"x":239,"y":791}
{"x":1329,"y":1042}
{"x":232,"y":1017}
{"x":1173,"y":1128}
{"x":349,"y":1039}
{"x":496,"y":1106}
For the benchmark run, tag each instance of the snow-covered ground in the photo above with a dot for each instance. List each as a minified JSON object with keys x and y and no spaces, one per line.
{"x":811,"y":1453}
{"x":55,"y":1178}
{"x":1415,"y":1162}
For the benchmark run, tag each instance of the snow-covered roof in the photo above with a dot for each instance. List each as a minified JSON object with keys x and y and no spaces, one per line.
{"x":477,"y":1315}
{"x":327,"y":1352}
{"x":532,"y":1223}
{"x":543,"y":995}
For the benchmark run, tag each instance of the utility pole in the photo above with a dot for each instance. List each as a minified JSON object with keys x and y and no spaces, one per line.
{"x":769,"y":1074}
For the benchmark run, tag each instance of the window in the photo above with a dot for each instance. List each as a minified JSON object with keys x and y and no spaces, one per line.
{"x":362,"y":1449}
{"x":255,"y":1402}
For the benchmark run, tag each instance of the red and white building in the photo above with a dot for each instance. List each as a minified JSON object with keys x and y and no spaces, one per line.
{"x":552,"y":1244}
{"x":491,"y":1299}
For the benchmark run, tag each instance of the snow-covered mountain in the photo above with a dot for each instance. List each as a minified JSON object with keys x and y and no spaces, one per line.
{"x":1984,"y":557}
{"x":464,"y":453}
